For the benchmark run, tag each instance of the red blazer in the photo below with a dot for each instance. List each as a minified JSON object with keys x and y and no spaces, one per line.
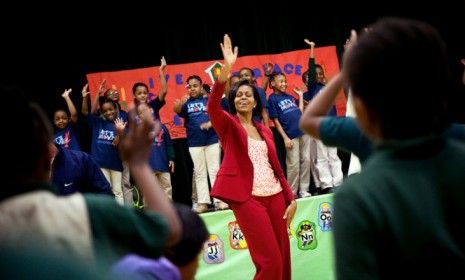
{"x":235,"y":178}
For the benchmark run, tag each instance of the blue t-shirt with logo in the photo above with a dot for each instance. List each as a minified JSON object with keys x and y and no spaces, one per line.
{"x":159,"y":157}
{"x":284,"y":107}
{"x":102,"y":149}
{"x":194,"y":112}
{"x":66,"y":138}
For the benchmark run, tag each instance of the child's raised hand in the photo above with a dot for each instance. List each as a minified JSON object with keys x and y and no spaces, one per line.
{"x":163,"y":63}
{"x":120,"y":124}
{"x":102,"y":87}
{"x":268,"y":68}
{"x":85,"y":90}
{"x":66,"y":93}
{"x":310,"y":43}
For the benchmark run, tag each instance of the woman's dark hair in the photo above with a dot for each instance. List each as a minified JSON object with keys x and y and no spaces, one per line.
{"x":415,"y":103}
{"x":257,"y":111}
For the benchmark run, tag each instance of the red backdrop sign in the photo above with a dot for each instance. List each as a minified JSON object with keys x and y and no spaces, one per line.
{"x":293,"y":64}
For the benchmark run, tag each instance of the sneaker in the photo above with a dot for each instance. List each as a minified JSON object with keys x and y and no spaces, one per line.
{"x":201,"y":208}
{"x":221,"y":206}
{"x":304,"y":194}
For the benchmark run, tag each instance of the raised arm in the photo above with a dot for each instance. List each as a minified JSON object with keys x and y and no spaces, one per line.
{"x":69,"y":102}
{"x":101,"y":89}
{"x":85,"y":100}
{"x":266,"y":78}
{"x":219,"y":118}
{"x":164,"y":87}
{"x":135,"y":148}
{"x":320,"y":105}
{"x":311,"y":78}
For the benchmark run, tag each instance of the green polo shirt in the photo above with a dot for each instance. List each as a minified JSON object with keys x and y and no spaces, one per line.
{"x":404,"y":214}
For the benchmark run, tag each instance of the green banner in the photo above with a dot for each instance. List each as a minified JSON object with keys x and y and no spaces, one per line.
{"x":225,"y":254}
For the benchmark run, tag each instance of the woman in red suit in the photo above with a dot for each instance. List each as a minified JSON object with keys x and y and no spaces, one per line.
{"x":250,"y":178}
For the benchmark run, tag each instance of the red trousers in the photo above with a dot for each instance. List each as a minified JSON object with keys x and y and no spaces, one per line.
{"x":261,"y":221}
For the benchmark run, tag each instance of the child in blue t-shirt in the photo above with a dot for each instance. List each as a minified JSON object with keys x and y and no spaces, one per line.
{"x":65,"y":134}
{"x":162,"y":159}
{"x":104,"y":145}
{"x":327,"y":165}
{"x":201,"y":139}
{"x":286,"y":114}
{"x":141,"y":92}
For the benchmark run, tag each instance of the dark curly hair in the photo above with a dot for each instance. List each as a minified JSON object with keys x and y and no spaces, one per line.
{"x":257,"y":111}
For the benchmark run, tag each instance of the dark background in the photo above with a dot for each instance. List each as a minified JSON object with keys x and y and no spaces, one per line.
{"x":47,"y":49}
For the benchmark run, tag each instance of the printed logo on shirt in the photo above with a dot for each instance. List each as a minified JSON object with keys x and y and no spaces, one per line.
{"x":213,"y":250}
{"x":325,"y":211}
{"x":196,"y":107}
{"x":236,"y":237}
{"x":68,"y":184}
{"x":306,"y":235}
{"x":107,"y":135}
{"x":286,"y":105}
{"x":63,"y":141}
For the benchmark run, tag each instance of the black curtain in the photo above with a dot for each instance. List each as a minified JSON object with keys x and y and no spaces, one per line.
{"x":45,"y":57}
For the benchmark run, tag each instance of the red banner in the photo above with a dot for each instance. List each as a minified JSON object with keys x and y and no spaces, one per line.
{"x":293,"y":64}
